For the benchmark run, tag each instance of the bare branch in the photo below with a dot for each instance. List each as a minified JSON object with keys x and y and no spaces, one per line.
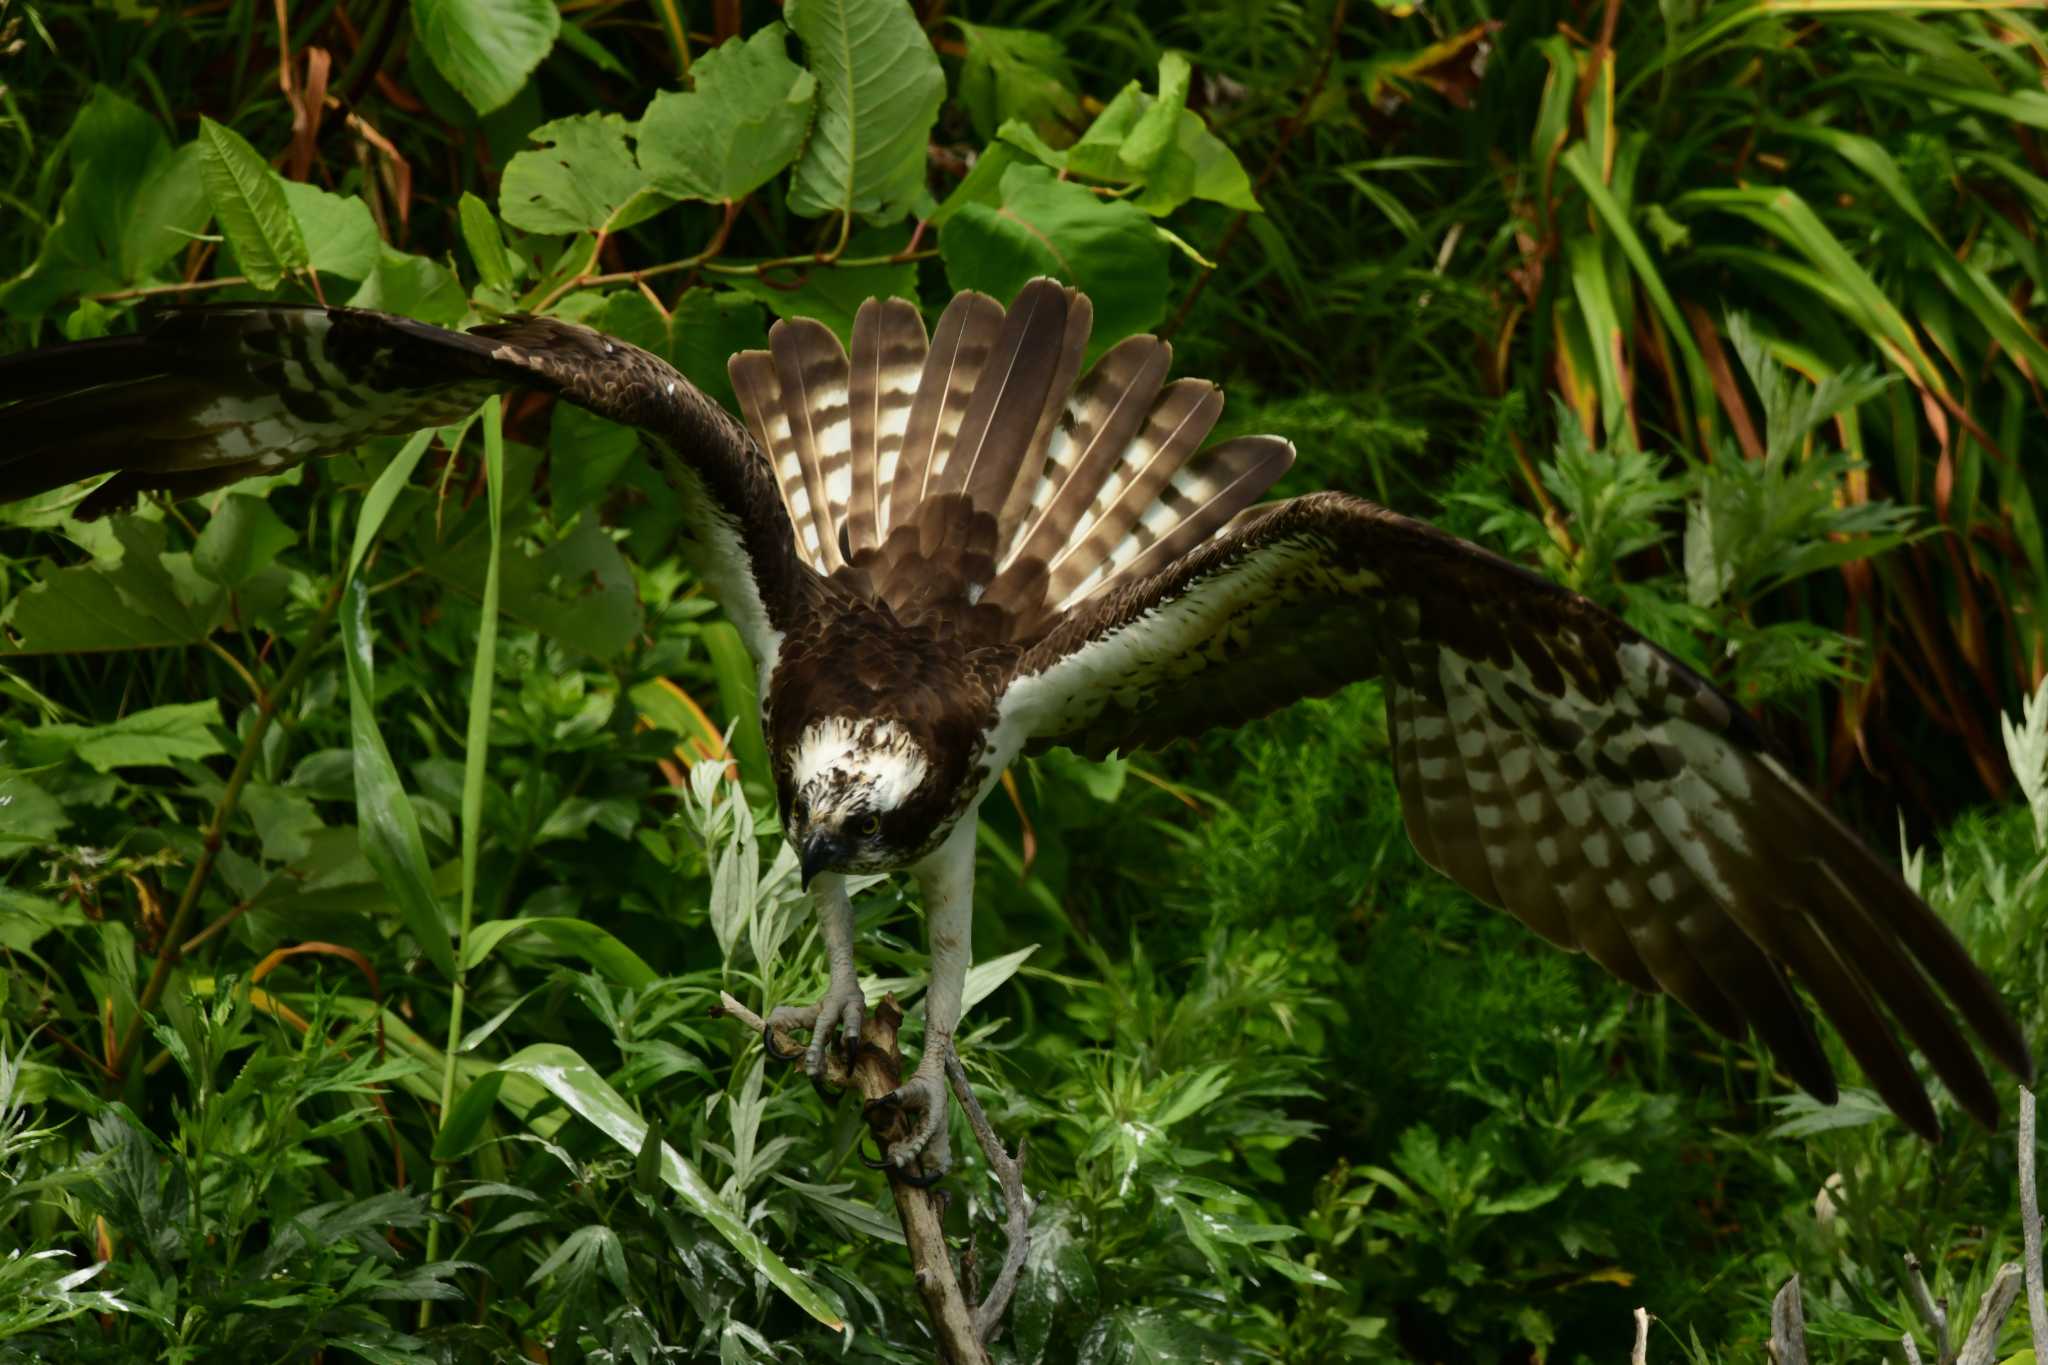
{"x":2030,"y":1227}
{"x":1980,"y":1347}
{"x":1934,"y":1312}
{"x":1641,"y":1354}
{"x":877,"y":1070}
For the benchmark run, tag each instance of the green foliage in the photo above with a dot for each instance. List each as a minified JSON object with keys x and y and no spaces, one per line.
{"x":359,"y":968}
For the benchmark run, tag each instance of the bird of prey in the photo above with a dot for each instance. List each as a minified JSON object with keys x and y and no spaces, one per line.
{"x":948,"y":550}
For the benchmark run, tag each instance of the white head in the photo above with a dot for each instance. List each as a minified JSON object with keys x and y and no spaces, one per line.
{"x":851,"y":806}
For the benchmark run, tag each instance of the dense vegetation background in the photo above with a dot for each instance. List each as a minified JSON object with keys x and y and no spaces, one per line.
{"x":354,"y":937}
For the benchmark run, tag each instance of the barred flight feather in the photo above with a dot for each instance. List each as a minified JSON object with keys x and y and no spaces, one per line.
{"x":888,"y":357}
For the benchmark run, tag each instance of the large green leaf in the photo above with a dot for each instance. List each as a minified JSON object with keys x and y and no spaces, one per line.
{"x":581,"y":178}
{"x":879,"y":91}
{"x":738,"y":128}
{"x":1156,"y":144}
{"x":249,"y":203}
{"x":135,"y":596}
{"x":1016,"y":73}
{"x":486,"y":48}
{"x":570,"y":1079}
{"x":132,"y":204}
{"x":240,"y":540}
{"x":341,"y":236}
{"x":1047,"y":226}
{"x":156,"y":738}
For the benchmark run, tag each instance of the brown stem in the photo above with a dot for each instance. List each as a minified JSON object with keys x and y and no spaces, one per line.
{"x":216,"y":831}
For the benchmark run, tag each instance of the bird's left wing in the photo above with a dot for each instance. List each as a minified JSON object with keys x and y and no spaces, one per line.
{"x":1554,"y":763}
{"x":204,"y":396}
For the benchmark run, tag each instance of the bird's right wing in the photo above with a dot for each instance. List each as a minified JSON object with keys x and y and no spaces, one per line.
{"x":204,"y":396}
{"x":1554,"y":763}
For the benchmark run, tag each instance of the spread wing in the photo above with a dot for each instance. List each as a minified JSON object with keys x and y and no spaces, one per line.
{"x":205,"y":396}
{"x":1555,"y":764}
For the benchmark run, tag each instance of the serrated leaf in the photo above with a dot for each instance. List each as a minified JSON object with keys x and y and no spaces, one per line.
{"x":249,"y":204}
{"x":738,"y":128}
{"x":156,"y":738}
{"x":879,"y":91}
{"x":240,"y":540}
{"x":139,"y":598}
{"x":341,"y":236}
{"x":581,"y":178}
{"x":1046,"y":226}
{"x":486,"y":48}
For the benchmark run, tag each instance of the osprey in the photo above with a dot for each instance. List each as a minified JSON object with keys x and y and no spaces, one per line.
{"x":948,"y":551}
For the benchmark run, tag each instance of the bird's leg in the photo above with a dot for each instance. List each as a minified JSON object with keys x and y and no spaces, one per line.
{"x":839,"y":1013}
{"x":947,"y":878}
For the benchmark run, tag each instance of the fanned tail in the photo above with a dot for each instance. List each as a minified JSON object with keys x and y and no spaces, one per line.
{"x":974,"y":473}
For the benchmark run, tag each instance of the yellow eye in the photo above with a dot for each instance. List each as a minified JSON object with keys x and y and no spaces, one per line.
{"x":872,"y":825}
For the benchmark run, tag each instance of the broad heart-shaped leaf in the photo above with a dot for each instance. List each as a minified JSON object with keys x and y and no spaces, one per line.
{"x":385,"y":820}
{"x":738,"y":128}
{"x":249,"y":203}
{"x":570,"y":1079}
{"x":132,"y":204}
{"x":1046,"y":226}
{"x":239,"y":542}
{"x":879,"y":91}
{"x":1016,"y":73}
{"x":582,"y":178}
{"x":486,"y":48}
{"x":413,"y":285}
{"x":341,"y":236}
{"x":143,"y":599}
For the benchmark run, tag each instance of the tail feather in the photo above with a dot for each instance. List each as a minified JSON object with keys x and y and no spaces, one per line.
{"x":889,"y":349}
{"x":960,"y":347}
{"x":1010,"y":398}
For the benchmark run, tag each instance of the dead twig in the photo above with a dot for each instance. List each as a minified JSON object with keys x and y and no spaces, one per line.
{"x":1640,"y":1355}
{"x":1788,"y":1326}
{"x":1933,"y":1311}
{"x":2030,"y":1227}
{"x":1980,"y":1346}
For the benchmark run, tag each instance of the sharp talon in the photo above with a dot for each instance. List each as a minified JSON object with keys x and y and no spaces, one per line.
{"x":873,"y":1164}
{"x":917,"y":1180}
{"x":775,"y":1050}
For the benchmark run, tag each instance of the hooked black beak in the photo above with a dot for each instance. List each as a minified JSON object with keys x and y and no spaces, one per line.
{"x":820,"y":852}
